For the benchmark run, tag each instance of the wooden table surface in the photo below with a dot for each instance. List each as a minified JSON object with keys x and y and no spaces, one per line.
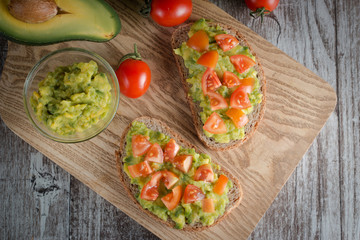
{"x":39,"y":200}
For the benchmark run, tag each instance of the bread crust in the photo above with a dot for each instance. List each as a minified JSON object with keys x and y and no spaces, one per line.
{"x":178,"y":37}
{"x":235,"y":193}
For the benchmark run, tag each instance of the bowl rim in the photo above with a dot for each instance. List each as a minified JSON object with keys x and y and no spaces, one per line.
{"x":43,"y":59}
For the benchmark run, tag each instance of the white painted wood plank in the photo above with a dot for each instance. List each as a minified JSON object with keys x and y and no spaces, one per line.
{"x":348,"y":62}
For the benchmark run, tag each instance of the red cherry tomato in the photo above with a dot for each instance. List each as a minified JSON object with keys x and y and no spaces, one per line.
{"x":217,"y":101}
{"x":140,"y":145}
{"x":214,"y":124}
{"x":134,"y":75}
{"x":199,"y":41}
{"x":172,"y":199}
{"x":204,"y":173}
{"x":170,"y":150}
{"x":242,"y":63}
{"x":192,"y":194}
{"x":226,"y":41}
{"x":240,"y":99}
{"x":183,"y":162}
{"x":209,"y":81}
{"x":247,"y":84}
{"x":150,"y":191}
{"x":170,"y":13}
{"x":169,"y":178}
{"x":269,"y":5}
{"x":209,"y":59}
{"x":141,"y":169}
{"x":230,"y":79}
{"x":155,"y":154}
{"x":220,"y":185}
{"x":238,"y":117}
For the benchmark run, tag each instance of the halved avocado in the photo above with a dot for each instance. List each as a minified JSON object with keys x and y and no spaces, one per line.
{"x":91,"y":20}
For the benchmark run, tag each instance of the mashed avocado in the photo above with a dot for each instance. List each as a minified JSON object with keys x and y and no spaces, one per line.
{"x":183,"y":213}
{"x":72,"y":98}
{"x":196,"y":72}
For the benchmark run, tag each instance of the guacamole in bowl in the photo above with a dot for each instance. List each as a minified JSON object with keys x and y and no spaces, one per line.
{"x":71,"y":95}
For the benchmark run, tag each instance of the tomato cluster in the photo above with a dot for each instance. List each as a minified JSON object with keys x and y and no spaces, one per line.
{"x":239,"y":99}
{"x":154,"y":154}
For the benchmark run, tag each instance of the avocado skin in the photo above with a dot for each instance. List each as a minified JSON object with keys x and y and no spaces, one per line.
{"x":86,"y":20}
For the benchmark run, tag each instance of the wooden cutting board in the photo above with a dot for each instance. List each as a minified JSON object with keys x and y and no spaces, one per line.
{"x":298,"y":105}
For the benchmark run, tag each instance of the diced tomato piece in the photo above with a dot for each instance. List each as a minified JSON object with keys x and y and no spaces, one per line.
{"x":155,"y":154}
{"x":230,"y":79}
{"x":172,"y":199}
{"x":140,"y":145}
{"x":238,"y":117}
{"x":204,"y":173}
{"x":209,"y":59}
{"x":169,"y":178}
{"x":242,"y":63}
{"x":226,"y":41}
{"x":183,"y":162}
{"x":210,"y":81}
{"x":208,"y":205}
{"x":247,"y":84}
{"x":141,"y":169}
{"x":170,"y":150}
{"x":220,"y":185}
{"x":192,"y":194}
{"x":199,"y":41}
{"x":214,"y":124}
{"x":217,"y":101}
{"x":150,"y":191}
{"x":240,"y":99}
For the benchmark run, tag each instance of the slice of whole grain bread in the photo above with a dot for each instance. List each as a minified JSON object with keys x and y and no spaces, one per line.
{"x":234,"y":194}
{"x":179,"y":36}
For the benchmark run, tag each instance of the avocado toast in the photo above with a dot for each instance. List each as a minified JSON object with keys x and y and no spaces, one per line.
{"x":155,"y":185}
{"x":225,"y":114}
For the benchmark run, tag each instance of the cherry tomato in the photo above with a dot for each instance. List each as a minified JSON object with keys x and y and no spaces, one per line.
{"x":204,"y":173}
{"x":230,"y":79}
{"x":209,"y":59}
{"x":214,"y":124}
{"x":238,"y":117}
{"x":209,"y":81}
{"x":199,"y":41}
{"x":140,"y":145}
{"x":269,"y":5}
{"x":155,"y":154}
{"x":170,"y":13}
{"x":192,"y":194}
{"x":172,"y":199}
{"x":134,"y":75}
{"x":242,"y":63}
{"x":169,"y":178}
{"x":170,"y":150}
{"x":247,"y":84}
{"x":240,"y":99}
{"x":208,"y":205}
{"x":150,"y":190}
{"x":183,"y":162}
{"x":226,"y":41}
{"x":141,"y":169}
{"x":220,"y":185}
{"x":216,"y":101}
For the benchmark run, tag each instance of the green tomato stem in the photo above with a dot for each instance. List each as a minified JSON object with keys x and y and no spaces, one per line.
{"x":135,"y":55}
{"x":260,"y":12}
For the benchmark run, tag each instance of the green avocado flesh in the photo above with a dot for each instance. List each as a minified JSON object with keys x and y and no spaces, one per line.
{"x":78,"y":20}
{"x":196,"y":71}
{"x":183,"y":213}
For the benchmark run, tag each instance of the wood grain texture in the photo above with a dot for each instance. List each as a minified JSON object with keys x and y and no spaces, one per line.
{"x":282,"y":220}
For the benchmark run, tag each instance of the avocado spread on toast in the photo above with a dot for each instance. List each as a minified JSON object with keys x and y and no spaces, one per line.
{"x":196,"y":73}
{"x":182,"y":212}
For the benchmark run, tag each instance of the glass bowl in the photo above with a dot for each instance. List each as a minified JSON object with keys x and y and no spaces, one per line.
{"x":66,"y":57}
